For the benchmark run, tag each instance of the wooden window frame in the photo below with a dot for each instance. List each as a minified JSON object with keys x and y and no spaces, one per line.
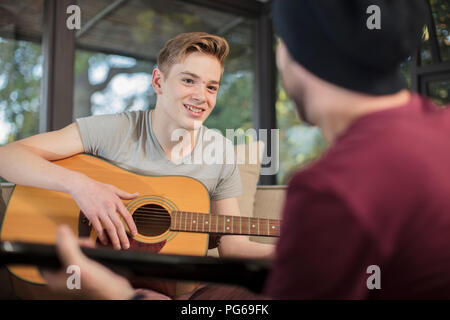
{"x":58,"y":45}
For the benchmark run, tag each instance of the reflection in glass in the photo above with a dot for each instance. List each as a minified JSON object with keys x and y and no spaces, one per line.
{"x":116,"y":55}
{"x":110,"y":84}
{"x":300,"y":144}
{"x":234,"y":102}
{"x":439,"y":91}
{"x":426,"y":57}
{"x":20,"y":82}
{"x":441,"y":17}
{"x":20,"y":68}
{"x":405,"y":69}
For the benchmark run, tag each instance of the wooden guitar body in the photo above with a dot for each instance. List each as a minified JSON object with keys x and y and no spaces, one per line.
{"x":34,"y":214}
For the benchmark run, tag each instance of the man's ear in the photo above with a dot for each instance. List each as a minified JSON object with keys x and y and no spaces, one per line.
{"x":157,"y":80}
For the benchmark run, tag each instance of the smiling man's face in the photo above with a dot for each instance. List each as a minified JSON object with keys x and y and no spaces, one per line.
{"x":188,"y":93}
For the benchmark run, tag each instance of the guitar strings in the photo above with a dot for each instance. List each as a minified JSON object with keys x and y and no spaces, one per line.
{"x":163,"y":210}
{"x":167,"y":218}
{"x":141,"y":217}
{"x":164,"y":221}
{"x":161,"y":218}
{"x":138,"y":211}
{"x":154,"y":211}
{"x":156,"y":216}
{"x":262,"y":232}
{"x":164,"y":218}
{"x":202,"y":228}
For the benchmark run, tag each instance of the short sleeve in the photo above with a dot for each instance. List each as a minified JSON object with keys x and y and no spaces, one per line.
{"x":229,"y":183}
{"x":104,"y":135}
{"x":323,"y":251}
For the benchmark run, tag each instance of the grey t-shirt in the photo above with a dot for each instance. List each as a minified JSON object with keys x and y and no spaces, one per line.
{"x":127,"y":140}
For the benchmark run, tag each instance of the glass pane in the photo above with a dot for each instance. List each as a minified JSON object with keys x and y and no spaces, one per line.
{"x":426,"y":57}
{"x":405,"y":69}
{"x":115,"y":57}
{"x":441,"y":16}
{"x":299,"y":143}
{"x":439,"y":91}
{"x":234,"y":102}
{"x":20,"y":68}
{"x":107,"y":83}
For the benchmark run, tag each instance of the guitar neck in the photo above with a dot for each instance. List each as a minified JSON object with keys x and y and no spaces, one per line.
{"x":224,"y":224}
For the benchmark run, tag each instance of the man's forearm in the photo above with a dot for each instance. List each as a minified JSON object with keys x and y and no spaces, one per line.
{"x":20,"y":165}
{"x":242,"y":247}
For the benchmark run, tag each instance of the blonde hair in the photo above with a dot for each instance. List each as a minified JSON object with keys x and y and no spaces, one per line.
{"x":178,"y":48}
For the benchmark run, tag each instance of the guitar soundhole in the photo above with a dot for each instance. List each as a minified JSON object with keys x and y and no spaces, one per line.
{"x":151,"y":220}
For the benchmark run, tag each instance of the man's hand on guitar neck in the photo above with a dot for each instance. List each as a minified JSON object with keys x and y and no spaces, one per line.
{"x":101,"y":204}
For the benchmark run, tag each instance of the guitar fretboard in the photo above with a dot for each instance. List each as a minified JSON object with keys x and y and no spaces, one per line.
{"x":222,"y":224}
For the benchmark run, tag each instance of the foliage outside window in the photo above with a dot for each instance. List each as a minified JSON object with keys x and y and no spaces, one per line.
{"x":300,"y":144}
{"x":441,"y":18}
{"x":115,"y":58}
{"x":20,"y":83}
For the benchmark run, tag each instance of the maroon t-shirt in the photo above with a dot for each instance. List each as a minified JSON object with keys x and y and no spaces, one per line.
{"x":379,"y":196}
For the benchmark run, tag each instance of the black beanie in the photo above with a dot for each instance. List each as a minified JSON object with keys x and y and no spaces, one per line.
{"x":331,"y":39}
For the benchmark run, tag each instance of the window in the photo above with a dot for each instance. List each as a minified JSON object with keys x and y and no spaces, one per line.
{"x":117,"y":49}
{"x":299,"y":143}
{"x":426,"y":57}
{"x":106,"y":83}
{"x":441,"y":19}
{"x":20,"y":69}
{"x":432,"y":74}
{"x":439,"y":91}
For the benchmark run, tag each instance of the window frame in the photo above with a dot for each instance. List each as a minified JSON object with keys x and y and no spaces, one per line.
{"x":58,"y":45}
{"x":59,"y":51}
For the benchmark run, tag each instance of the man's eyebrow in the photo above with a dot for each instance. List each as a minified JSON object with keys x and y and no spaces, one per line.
{"x":193,"y":75}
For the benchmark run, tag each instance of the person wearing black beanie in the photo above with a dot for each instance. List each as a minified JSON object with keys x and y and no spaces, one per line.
{"x":357,"y":45}
{"x":369,"y":219}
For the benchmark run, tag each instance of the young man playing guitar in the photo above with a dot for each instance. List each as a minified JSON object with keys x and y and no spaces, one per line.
{"x":186,"y":81}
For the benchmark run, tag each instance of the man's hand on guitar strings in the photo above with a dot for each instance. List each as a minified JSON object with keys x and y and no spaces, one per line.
{"x":96,"y":281}
{"x":101,"y":203}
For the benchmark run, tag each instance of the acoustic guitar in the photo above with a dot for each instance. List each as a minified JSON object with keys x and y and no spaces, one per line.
{"x":172,"y":215}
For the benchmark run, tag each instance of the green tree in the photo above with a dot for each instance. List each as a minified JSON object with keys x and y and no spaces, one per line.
{"x":300,"y":144}
{"x":20,"y":82}
{"x":234,"y":104}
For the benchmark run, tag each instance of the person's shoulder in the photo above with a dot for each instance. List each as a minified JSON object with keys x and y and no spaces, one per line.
{"x":124,"y":115}
{"x":135,"y":115}
{"x":127,"y":123}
